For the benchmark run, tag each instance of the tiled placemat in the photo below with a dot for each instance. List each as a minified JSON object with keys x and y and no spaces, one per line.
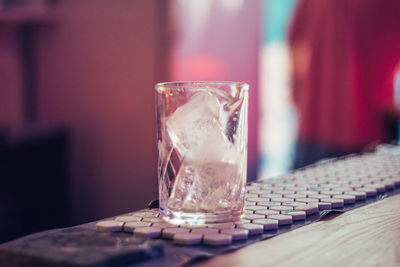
{"x":275,"y":206}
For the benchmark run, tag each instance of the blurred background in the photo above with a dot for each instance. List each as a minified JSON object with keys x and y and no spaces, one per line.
{"x":77,"y":111}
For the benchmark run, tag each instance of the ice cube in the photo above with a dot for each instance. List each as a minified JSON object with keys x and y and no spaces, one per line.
{"x":196,"y":124}
{"x":212,"y":186}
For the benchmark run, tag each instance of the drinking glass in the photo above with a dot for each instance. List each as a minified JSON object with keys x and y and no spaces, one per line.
{"x":202,"y":151}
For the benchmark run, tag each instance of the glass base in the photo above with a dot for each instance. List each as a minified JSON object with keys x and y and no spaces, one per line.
{"x":199,"y":218}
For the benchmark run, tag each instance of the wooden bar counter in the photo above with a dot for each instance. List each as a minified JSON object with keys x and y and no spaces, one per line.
{"x":367,"y":236}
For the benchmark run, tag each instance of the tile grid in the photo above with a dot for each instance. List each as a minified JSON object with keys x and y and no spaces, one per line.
{"x":271,"y":203}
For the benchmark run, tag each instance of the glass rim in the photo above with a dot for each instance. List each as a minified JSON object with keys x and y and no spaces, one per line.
{"x":187,"y":84}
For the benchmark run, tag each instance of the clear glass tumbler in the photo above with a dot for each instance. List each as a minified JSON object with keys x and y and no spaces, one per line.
{"x":202,"y":151}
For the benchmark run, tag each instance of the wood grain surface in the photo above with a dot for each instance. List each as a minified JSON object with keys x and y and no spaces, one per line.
{"x":367,"y":236}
